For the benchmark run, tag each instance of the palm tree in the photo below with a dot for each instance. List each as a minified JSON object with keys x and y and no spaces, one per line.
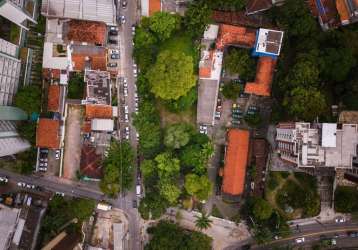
{"x":202,"y":222}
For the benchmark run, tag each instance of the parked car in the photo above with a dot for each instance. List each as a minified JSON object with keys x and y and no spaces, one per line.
{"x":352,"y":234}
{"x":113,"y":28}
{"x":4,"y":179}
{"x":123,"y":19}
{"x":126,"y":111}
{"x":44,"y":150}
{"x":133,"y":30}
{"x":30,"y":186}
{"x":203,"y":129}
{"x":137,"y":136}
{"x":60,"y":194}
{"x":57,"y":154}
{"x":217,"y":115}
{"x":125,"y":84}
{"x":125,"y":92}
{"x":21,"y":184}
{"x":126,"y":136}
{"x":134,"y":204}
{"x":112,"y":41}
{"x":43,"y":169}
{"x":126,"y":118}
{"x":340,"y":220}
{"x":113,"y":33}
{"x":114,"y":56}
{"x":43,"y":159}
{"x":124,"y":4}
{"x":114,"y":51}
{"x":43,"y":164}
{"x":300,"y":240}
{"x":112,"y":65}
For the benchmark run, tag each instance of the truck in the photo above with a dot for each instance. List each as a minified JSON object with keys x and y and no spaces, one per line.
{"x":104,"y":206}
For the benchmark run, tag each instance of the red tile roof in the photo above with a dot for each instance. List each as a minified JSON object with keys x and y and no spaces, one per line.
{"x":154,"y":6}
{"x":264,"y":75}
{"x":47,"y":133}
{"x":98,"y":111}
{"x":97,"y":62}
{"x":235,"y":35}
{"x":254,"y":6}
{"x":90,"y":163}
{"x":236,"y":159}
{"x":53,"y":103}
{"x":87,"y":31}
{"x":342,"y":9}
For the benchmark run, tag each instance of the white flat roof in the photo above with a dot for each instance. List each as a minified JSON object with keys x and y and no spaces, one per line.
{"x":51,"y":62}
{"x":329,"y":131}
{"x":269,"y":41}
{"x":211,"y":32}
{"x":102,"y":124}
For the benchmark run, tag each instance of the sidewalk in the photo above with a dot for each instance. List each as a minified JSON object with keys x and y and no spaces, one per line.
{"x":326,"y":215}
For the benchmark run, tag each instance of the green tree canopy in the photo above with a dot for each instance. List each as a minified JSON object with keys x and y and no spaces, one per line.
{"x":232,"y":90}
{"x":239,"y":61}
{"x":163,"y":24}
{"x":305,"y":103}
{"x":118,"y":173}
{"x":184,"y":102}
{"x":152,"y":206}
{"x":177,"y":135}
{"x":172,"y":76}
{"x":168,"y":167}
{"x":169,"y":190}
{"x":197,"y":156}
{"x":169,"y":236}
{"x":76,"y":86}
{"x":148,"y":168}
{"x":262,"y":210}
{"x":305,"y":73}
{"x":28,"y":99}
{"x":198,"y":186}
{"x":346,"y":199}
{"x":197,"y":17}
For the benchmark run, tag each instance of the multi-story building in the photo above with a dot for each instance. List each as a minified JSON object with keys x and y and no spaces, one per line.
{"x":308,"y":145}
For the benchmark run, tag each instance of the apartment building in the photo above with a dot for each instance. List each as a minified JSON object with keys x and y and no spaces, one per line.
{"x":318,"y":145}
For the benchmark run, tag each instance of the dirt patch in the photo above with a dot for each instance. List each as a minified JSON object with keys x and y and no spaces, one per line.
{"x":73,"y":141}
{"x":167,"y":117}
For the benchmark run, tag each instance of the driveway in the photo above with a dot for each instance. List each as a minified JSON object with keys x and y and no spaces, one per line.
{"x":73,"y":142}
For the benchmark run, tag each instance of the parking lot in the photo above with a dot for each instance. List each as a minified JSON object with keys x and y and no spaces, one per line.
{"x":73,"y":141}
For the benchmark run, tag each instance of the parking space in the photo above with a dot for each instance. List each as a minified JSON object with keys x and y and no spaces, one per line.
{"x":113,"y":44}
{"x":73,"y":141}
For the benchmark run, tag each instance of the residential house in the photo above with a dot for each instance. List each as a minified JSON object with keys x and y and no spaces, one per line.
{"x":48,"y":133}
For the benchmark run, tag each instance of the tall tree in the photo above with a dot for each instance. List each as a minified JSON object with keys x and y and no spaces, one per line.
{"x":172,"y":76}
{"x":177,"y":135}
{"x":262,"y":210}
{"x":28,"y":98}
{"x":197,"y":17}
{"x":239,"y":61}
{"x":118,"y":174}
{"x":168,"y":167}
{"x":163,"y":24}
{"x":202,"y":222}
{"x":168,"y":190}
{"x":198,"y":186}
{"x":305,"y":103}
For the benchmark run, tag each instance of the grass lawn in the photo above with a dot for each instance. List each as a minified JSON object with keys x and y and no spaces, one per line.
{"x":167,"y":117}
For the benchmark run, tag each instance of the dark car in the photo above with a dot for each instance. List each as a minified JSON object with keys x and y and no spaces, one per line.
{"x":134,"y":204}
{"x":114,"y":56}
{"x":113,"y":32}
{"x":112,"y":41}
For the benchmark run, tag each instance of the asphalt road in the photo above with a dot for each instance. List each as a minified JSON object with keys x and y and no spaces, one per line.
{"x":125,"y":201}
{"x":312,"y":234}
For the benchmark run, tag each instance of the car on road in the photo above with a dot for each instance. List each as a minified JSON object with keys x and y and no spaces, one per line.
{"x":112,"y":41}
{"x":203,"y":129}
{"x":57,"y":154}
{"x":126,"y":109}
{"x":123,"y":19}
{"x":125,"y":92}
{"x":4,"y":179}
{"x":124,"y":4}
{"x":60,"y":194}
{"x":112,"y":65}
{"x":300,"y":240}
{"x":125,"y":84}
{"x":340,"y":220}
{"x":21,"y":184}
{"x":133,"y":30}
{"x":352,"y":234}
{"x":114,"y":56}
{"x":30,"y":186}
{"x":126,"y":118}
{"x":217,"y":115}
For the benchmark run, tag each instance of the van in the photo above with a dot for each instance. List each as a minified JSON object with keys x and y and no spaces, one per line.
{"x":138,"y":190}
{"x":104,"y":206}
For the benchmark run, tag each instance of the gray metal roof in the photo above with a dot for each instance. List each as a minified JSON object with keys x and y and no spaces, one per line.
{"x":92,"y":10}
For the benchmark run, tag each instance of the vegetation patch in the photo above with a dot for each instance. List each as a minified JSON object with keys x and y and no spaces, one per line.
{"x":346,"y":199}
{"x":76,"y":86}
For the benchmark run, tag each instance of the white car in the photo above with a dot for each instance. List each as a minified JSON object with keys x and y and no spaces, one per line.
{"x":4,"y":179}
{"x":300,"y":240}
{"x":125,"y":84}
{"x":115,"y":28}
{"x":126,"y":118}
{"x":43,"y":164}
{"x":57,"y":154}
{"x":135,"y":71}
{"x":123,"y":19}
{"x":114,"y":51}
{"x":42,"y":169}
{"x":125,"y":92}
{"x":127,"y":130}
{"x":21,"y":184}
{"x":136,"y":109}
{"x":203,"y":129}
{"x":60,"y":194}
{"x":137,"y":136}
{"x":126,"y":109}
{"x":43,"y":159}
{"x":31,"y":186}
{"x":340,"y":220}
{"x":133,"y":30}
{"x":127,"y":137}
